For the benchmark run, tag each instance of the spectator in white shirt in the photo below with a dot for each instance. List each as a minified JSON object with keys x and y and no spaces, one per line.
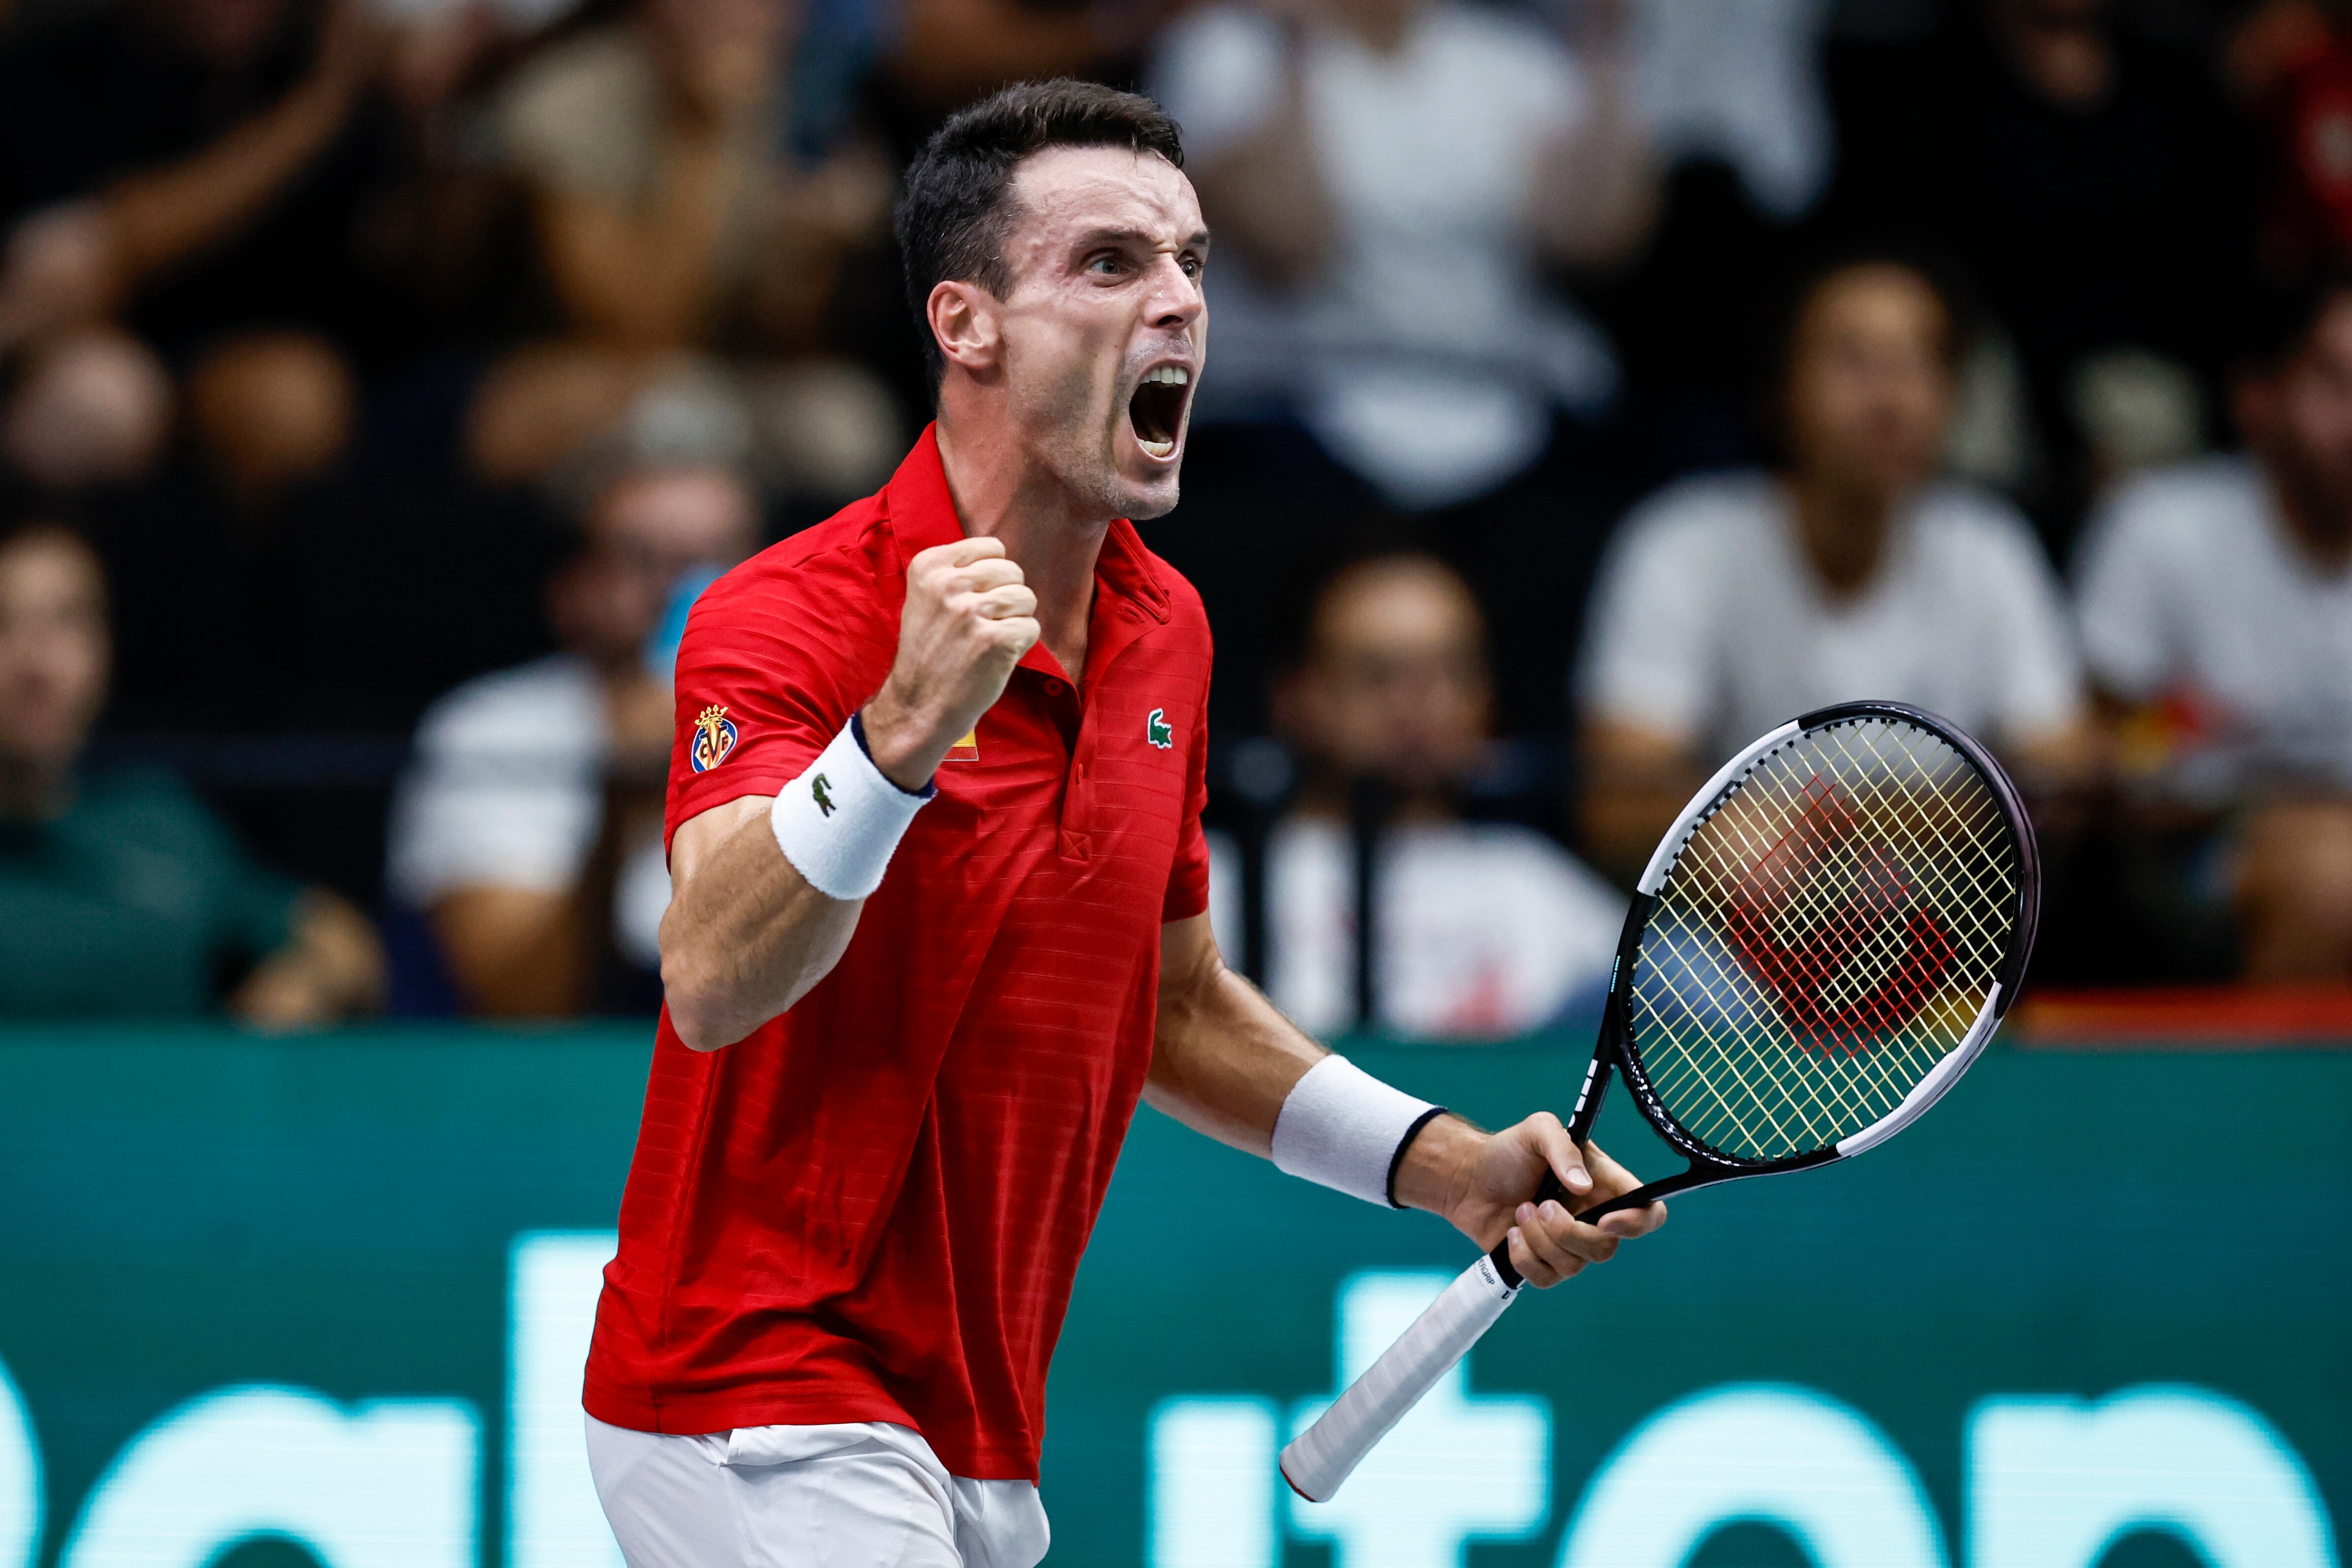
{"x":1392,"y":177}
{"x":528,"y":829}
{"x":1735,"y":602}
{"x":2216,"y":603}
{"x":1481,"y":930}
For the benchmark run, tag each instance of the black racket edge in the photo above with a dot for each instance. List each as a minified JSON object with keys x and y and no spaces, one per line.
{"x":1709,"y":1167}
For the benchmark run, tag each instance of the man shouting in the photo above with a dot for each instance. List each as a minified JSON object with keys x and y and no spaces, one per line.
{"x":934,"y":809}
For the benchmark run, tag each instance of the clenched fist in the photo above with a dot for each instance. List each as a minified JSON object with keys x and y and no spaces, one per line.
{"x":969,"y":618}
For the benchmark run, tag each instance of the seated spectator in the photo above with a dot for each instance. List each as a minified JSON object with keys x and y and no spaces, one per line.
{"x":1392,"y":176}
{"x":1735,"y":602}
{"x":1483,"y":929}
{"x":2216,"y":616}
{"x":2099,"y":190}
{"x":672,"y":220}
{"x":527,"y":831}
{"x":120,"y":893}
{"x":198,"y":170}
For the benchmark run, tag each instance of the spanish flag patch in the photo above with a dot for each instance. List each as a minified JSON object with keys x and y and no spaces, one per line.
{"x":966,"y":749}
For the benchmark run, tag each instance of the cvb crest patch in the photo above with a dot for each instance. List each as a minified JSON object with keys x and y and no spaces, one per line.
{"x":714,"y":738}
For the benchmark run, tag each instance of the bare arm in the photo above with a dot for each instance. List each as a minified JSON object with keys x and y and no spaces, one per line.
{"x":746,"y":936}
{"x":1598,"y":189}
{"x":331,"y":966}
{"x":645,"y":277}
{"x":1224,"y":1060}
{"x":1266,"y":196}
{"x":1637,"y":779}
{"x":514,"y":952}
{"x":74,"y":262}
{"x":160,"y":217}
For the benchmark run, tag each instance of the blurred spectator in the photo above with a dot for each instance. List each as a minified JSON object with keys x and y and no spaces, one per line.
{"x":1735,"y":602}
{"x":685,"y":240}
{"x":1390,"y":177}
{"x":119,"y":892}
{"x":1482,"y":929}
{"x":2098,"y":190}
{"x":527,"y":831}
{"x":950,"y":52}
{"x":2293,"y":61}
{"x":201,"y":169}
{"x":2216,"y":616}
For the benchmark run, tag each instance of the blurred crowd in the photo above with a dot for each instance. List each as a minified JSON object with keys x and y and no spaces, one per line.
{"x":1595,"y":383}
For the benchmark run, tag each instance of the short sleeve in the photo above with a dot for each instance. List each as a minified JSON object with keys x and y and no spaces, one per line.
{"x":1534,"y":79}
{"x":1188,"y":879}
{"x":775,"y":658}
{"x":580,"y":118}
{"x":504,"y":789}
{"x":1649,"y":649}
{"x":1219,"y":73}
{"x":2041,"y":676}
{"x":2119,"y":599}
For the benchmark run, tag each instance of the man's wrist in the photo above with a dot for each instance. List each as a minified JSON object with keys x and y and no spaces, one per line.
{"x":906,"y":750}
{"x":1344,"y":1129}
{"x":1431,"y":1171}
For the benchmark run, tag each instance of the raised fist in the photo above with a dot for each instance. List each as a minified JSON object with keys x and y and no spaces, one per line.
{"x":969,"y":618}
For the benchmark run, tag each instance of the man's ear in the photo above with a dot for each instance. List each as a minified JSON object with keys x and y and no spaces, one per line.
{"x":965,"y":322}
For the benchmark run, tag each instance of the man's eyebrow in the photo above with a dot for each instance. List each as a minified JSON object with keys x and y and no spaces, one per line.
{"x":1094,"y":238}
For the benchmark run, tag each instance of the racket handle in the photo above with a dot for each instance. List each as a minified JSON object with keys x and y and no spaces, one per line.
{"x":1320,"y":1458}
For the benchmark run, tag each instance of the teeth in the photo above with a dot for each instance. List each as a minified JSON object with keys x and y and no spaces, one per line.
{"x":1157,"y":448}
{"x":1169,"y":375}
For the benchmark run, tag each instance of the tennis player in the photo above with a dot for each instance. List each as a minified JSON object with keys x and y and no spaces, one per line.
{"x":935,"y":828}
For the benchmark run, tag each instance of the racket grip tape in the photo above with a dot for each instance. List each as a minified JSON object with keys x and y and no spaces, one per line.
{"x":1320,"y":1458}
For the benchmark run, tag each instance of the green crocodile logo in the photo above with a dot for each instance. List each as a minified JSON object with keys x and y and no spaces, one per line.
{"x":1156,"y":730}
{"x":817,"y":788}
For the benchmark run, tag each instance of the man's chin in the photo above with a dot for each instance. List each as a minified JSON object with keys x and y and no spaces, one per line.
{"x":1149,"y":494}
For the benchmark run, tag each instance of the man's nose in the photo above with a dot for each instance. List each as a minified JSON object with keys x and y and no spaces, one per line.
{"x":1176,"y":298}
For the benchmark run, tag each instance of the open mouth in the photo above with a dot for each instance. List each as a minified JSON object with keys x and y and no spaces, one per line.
{"x":1157,"y":410}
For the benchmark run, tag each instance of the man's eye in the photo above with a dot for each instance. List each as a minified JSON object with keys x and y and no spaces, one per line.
{"x":1192,"y":266}
{"x":1106,"y":265}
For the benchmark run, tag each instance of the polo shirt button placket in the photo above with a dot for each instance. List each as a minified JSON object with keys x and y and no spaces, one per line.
{"x":1075,"y":842}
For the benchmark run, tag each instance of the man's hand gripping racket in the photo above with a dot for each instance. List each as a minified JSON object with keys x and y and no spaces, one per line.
{"x":1821,"y":945}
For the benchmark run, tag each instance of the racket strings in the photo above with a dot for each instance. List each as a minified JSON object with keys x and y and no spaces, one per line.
{"x":1837,"y":1101}
{"x":1825,"y":937}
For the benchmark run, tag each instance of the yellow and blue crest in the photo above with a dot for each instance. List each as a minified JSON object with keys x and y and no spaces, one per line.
{"x":714,"y":737}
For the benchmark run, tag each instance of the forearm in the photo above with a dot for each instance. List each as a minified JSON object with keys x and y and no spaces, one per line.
{"x":331,"y":966}
{"x":158,"y":218}
{"x":1598,"y":190}
{"x":746,"y":936}
{"x":648,"y":277}
{"x":1225,"y":1058}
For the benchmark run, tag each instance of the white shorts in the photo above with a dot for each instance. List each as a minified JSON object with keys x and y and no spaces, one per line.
{"x":863,"y":1495}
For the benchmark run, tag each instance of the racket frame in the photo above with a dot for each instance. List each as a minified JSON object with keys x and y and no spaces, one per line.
{"x":1706,"y":1165}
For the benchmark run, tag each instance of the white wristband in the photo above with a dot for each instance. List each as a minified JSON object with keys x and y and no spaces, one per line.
{"x":1345,"y":1129}
{"x":838,"y":822}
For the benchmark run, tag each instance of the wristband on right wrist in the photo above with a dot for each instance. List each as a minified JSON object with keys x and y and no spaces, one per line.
{"x":839,"y":822}
{"x":1343,"y":1128}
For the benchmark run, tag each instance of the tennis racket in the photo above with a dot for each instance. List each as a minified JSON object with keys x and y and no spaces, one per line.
{"x":1821,"y":945}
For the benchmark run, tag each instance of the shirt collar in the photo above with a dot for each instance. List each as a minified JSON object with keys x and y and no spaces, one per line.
{"x":922,"y":514}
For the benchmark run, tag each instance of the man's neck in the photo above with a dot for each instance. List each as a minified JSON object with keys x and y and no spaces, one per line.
{"x":2322,"y":532}
{"x":1843,"y":530}
{"x":1053,"y":540}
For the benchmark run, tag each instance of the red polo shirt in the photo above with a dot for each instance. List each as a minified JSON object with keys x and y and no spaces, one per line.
{"x":872,"y":1209}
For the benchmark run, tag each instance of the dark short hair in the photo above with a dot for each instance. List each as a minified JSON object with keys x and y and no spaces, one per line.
{"x":957,"y":209}
{"x":1807,"y":283}
{"x":1302,"y":592}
